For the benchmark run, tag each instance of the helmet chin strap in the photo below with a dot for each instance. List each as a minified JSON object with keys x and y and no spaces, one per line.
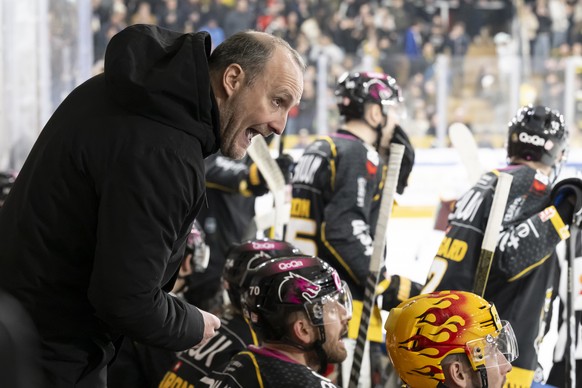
{"x":483,"y":374}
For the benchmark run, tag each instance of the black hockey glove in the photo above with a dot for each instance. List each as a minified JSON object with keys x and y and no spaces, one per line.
{"x":287,"y":166}
{"x":566,"y":196}
{"x":400,"y":137}
{"x":395,"y":290}
{"x":257,"y":183}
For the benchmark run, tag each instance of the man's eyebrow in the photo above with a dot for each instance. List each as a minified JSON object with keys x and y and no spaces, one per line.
{"x":289,"y":97}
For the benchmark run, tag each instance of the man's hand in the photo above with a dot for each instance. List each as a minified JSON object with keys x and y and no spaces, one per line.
{"x":566,"y":196}
{"x":211,"y":325}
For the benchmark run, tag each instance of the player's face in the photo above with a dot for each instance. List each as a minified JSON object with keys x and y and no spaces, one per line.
{"x":496,"y":375}
{"x":335,"y":331}
{"x":263,"y":107}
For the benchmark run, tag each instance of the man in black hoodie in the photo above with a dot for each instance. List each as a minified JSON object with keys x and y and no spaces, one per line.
{"x":94,"y":229}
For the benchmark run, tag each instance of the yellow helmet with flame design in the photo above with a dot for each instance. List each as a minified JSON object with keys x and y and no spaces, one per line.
{"x":422,"y":331}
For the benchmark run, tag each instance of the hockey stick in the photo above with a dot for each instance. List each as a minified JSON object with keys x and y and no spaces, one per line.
{"x":259,"y":152}
{"x":394,"y":162}
{"x":570,"y":353}
{"x":464,"y":142}
{"x":492,"y":233}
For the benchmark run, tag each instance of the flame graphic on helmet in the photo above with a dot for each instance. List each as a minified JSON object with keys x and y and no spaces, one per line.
{"x":441,"y":329}
{"x":297,"y":286}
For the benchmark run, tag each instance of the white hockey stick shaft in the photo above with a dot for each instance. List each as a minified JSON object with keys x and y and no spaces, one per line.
{"x":394,"y":162}
{"x":492,"y":233}
{"x":259,"y":152}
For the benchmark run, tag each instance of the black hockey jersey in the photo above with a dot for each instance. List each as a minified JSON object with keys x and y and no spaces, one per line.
{"x":522,"y":272}
{"x":336,"y":196}
{"x":264,"y":368}
{"x":233,"y":336}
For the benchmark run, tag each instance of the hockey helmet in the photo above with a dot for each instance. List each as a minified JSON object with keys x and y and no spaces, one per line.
{"x":537,"y":133}
{"x":242,"y":259}
{"x":422,"y":331}
{"x":354,"y":90}
{"x":300,"y":283}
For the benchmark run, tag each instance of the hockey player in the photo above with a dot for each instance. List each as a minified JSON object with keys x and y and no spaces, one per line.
{"x":299,"y":308}
{"x":234,"y":334}
{"x":524,"y":264}
{"x":450,"y":339}
{"x":336,"y":195}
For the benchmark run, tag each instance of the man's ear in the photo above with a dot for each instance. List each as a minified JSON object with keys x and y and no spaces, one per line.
{"x":303,"y":331}
{"x":373,"y":114}
{"x":232,"y":78}
{"x":456,"y":375}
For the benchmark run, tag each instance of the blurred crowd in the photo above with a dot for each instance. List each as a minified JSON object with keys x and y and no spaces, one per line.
{"x":401,"y":38}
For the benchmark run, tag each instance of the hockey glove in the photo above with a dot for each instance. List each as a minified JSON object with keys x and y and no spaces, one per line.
{"x":566,"y":196}
{"x":257,"y":183}
{"x":395,"y":290}
{"x":287,"y":166}
{"x":400,"y":137}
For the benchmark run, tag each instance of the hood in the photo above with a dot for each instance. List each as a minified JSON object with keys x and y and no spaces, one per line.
{"x":163,"y":75}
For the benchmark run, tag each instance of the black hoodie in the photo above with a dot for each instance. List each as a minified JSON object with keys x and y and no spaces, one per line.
{"x":95,"y":226}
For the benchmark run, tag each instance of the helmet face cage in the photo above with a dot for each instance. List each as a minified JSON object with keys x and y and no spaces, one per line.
{"x":538,"y":133}
{"x":354,"y":90}
{"x":424,"y":330}
{"x":292,"y":284}
{"x":243,"y":259}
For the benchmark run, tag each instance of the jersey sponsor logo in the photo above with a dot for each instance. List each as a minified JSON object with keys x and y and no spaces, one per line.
{"x":531,"y":139}
{"x":306,"y":169}
{"x":261,"y":245}
{"x":300,"y":207}
{"x":361,"y":231}
{"x":361,"y":192}
{"x":512,"y":237}
{"x":172,"y":380}
{"x":306,"y":288}
{"x":547,"y":213}
{"x":290,"y":265}
{"x":453,"y":249}
{"x":468,"y":206}
{"x":514,"y":208}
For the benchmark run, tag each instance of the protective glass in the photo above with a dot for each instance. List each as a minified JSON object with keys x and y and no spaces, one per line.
{"x":495,"y":349}
{"x":333,"y":307}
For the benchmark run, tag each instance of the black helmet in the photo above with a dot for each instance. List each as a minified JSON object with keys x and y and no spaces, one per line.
{"x":537,"y":133}
{"x":355,"y":89}
{"x":288,"y":284}
{"x":243,"y":258}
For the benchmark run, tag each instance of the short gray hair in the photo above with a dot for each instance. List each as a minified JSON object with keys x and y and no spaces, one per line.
{"x":251,"y":50}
